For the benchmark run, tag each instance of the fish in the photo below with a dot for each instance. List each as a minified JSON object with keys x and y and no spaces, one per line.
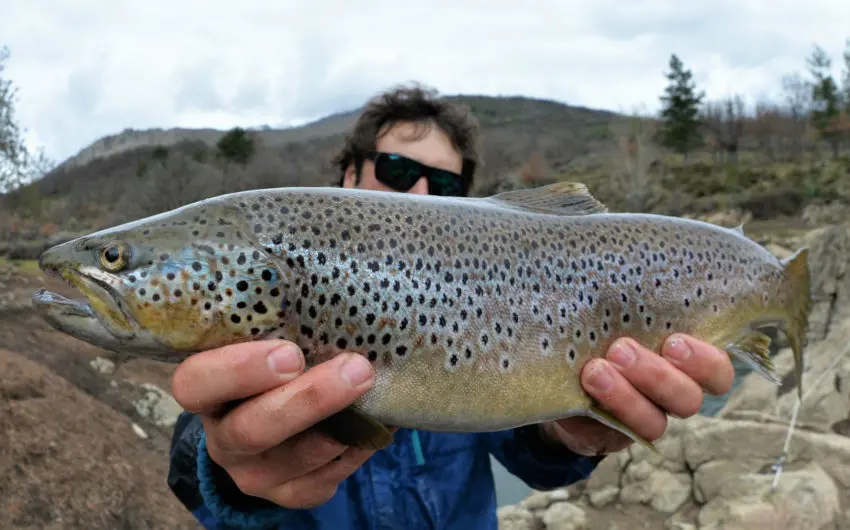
{"x":476,"y":313}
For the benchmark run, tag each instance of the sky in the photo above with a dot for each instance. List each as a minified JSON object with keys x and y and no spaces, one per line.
{"x":90,"y":68}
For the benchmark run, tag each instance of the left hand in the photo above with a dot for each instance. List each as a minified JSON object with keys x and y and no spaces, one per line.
{"x":640,"y":388}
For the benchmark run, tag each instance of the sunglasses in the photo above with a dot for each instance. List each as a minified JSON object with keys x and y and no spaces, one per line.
{"x":401,"y":173}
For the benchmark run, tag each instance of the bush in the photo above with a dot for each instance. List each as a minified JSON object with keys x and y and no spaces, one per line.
{"x":237,"y":145}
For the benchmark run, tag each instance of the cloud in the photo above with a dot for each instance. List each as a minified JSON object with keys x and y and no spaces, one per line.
{"x":86,"y":69}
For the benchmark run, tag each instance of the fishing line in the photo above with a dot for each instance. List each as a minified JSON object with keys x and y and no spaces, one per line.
{"x":780,"y":462}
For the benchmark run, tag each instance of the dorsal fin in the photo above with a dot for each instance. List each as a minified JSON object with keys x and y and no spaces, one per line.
{"x":739,"y":229}
{"x":561,"y":198}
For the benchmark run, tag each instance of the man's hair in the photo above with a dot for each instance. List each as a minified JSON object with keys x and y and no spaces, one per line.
{"x":409,"y":104}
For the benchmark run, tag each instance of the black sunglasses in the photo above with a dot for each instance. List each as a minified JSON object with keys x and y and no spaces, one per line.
{"x":401,"y":173}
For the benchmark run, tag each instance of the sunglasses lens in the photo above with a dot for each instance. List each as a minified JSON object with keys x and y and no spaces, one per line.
{"x":444,"y":183}
{"x":401,"y":173}
{"x":397,"y":172}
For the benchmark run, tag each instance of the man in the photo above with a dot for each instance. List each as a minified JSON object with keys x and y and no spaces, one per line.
{"x":245,"y":456}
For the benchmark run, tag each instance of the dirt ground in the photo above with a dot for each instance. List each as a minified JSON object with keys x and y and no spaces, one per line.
{"x":69,"y":455}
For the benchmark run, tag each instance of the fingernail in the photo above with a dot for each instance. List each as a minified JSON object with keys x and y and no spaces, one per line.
{"x":356,"y":370}
{"x":599,"y":378}
{"x":677,"y":349}
{"x":285,"y":359}
{"x":622,"y":354}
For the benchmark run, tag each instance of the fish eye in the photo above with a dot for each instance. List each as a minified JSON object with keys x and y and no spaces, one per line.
{"x":114,"y":256}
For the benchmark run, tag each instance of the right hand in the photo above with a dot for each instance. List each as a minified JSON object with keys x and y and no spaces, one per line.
{"x":265,"y":442}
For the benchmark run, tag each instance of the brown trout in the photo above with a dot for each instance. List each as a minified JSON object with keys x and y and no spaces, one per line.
{"x":477,"y":314}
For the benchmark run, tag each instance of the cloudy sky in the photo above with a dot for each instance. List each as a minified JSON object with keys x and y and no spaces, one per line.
{"x":88,"y":68}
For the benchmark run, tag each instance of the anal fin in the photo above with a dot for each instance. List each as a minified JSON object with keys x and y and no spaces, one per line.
{"x":753,"y":348}
{"x":605,"y":418}
{"x":355,"y":429}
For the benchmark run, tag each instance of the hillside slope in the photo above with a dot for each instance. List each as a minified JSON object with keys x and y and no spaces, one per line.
{"x":139,"y":173}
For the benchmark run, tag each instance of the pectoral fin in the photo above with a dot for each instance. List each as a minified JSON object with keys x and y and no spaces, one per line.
{"x":608,"y":420}
{"x":355,"y":429}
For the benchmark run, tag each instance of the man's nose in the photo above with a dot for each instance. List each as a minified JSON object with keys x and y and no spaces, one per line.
{"x":421,"y":187}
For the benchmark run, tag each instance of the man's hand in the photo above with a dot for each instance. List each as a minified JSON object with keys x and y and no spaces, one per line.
{"x":265,"y":442}
{"x":640,"y":388}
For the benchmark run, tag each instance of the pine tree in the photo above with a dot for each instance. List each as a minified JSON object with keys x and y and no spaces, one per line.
{"x":826,"y":98}
{"x":680,"y":129}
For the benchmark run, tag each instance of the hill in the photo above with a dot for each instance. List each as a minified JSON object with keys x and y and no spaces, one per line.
{"x":168,"y":168}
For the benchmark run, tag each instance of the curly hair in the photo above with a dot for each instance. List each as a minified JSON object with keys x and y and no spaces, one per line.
{"x":409,"y":104}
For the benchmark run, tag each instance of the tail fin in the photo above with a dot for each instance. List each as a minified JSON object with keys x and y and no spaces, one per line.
{"x":798,"y":305}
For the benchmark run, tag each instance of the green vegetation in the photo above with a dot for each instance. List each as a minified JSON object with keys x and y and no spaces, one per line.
{"x":680,"y":129}
{"x":237,"y":146}
{"x":25,"y":266}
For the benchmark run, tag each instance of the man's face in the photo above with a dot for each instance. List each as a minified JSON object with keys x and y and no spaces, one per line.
{"x":433,"y":148}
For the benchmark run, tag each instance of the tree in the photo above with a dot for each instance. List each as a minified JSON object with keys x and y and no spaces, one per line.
{"x":633,"y":134}
{"x":845,"y":76}
{"x":843,"y":126}
{"x":724,"y":120}
{"x":12,"y":148}
{"x":798,"y":102}
{"x":680,"y":129}
{"x":825,"y":98}
{"x":17,"y":164}
{"x":237,"y":145}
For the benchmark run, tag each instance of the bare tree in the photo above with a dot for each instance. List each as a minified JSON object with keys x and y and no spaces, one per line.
{"x":634,"y":134}
{"x":12,"y":149}
{"x":798,"y":102}
{"x":17,"y":164}
{"x":769,"y":127}
{"x":724,"y":120}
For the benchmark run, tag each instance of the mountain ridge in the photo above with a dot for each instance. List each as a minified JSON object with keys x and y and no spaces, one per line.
{"x":328,"y":125}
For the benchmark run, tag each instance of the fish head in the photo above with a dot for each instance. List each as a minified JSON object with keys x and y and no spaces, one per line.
{"x":160,"y":288}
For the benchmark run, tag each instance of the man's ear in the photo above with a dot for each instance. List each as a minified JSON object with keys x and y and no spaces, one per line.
{"x":349,"y":179}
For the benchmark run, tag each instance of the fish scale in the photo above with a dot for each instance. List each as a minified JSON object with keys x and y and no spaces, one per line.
{"x":477,"y":314}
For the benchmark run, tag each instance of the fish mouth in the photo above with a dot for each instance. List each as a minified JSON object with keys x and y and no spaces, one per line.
{"x":99,"y":301}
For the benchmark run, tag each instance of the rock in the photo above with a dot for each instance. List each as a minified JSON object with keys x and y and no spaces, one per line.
{"x":637,"y":487}
{"x":140,"y":432}
{"x":158,"y":405}
{"x":662,"y":489}
{"x":778,"y":250}
{"x":805,"y":498}
{"x":607,"y":473}
{"x":565,"y":516}
{"x":670,"y":446}
{"x":603,"y":497}
{"x":559,"y":495}
{"x":517,"y":518}
{"x":536,"y":500}
{"x":670,"y":490}
{"x":103,"y":366}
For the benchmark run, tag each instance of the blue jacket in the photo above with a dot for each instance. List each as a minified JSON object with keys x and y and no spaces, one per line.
{"x":422,"y":480}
